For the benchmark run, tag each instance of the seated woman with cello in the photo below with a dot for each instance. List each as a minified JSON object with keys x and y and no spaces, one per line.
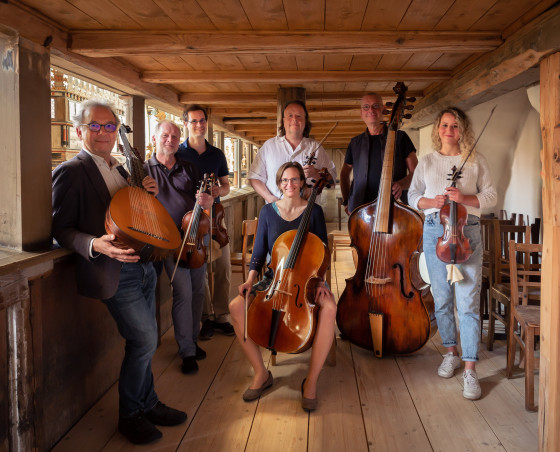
{"x":274,"y":220}
{"x":454,"y":237}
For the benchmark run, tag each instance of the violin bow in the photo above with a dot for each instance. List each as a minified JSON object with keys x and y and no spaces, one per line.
{"x":457,"y":172}
{"x":245,"y":319}
{"x":311,"y":157}
{"x":210,"y":269}
{"x":185,"y":237}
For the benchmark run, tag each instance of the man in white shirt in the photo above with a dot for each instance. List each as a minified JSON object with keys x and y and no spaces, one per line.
{"x":293,"y":145}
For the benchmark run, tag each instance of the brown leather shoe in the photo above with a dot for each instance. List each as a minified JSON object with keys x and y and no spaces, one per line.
{"x":253,"y":394}
{"x":307,"y":404}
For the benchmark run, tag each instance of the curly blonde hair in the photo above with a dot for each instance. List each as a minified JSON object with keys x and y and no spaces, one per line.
{"x":466,"y":135}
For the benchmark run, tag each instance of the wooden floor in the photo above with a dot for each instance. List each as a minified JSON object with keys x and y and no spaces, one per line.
{"x":365,"y":404}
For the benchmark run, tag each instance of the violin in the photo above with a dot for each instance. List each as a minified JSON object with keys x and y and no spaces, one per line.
{"x":386,"y":307}
{"x":219,"y":231}
{"x":195,"y":225}
{"x":135,"y":217}
{"x":284,"y":317}
{"x":453,"y":247}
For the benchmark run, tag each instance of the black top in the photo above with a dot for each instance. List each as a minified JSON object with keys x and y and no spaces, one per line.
{"x":272,"y":225}
{"x":210,"y":161}
{"x":403,"y":148}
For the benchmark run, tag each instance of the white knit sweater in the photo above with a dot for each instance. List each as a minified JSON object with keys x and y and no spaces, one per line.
{"x":431,"y":174}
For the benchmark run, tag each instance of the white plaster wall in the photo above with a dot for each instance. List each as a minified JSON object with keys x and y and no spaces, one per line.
{"x":511,"y":143}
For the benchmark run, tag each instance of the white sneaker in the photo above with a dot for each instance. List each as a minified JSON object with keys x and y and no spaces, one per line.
{"x":447,"y":368}
{"x":471,"y":387}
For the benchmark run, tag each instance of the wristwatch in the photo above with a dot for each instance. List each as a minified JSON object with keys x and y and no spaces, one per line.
{"x":345,"y":202}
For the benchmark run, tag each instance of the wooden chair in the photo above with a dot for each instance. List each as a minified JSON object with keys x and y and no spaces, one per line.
{"x":503,"y":232}
{"x":487,"y":261}
{"x":243,"y":259}
{"x":524,"y":323}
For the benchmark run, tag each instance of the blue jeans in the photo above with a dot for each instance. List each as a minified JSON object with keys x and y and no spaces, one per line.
{"x":466,"y":292}
{"x":188,"y":301}
{"x":133,"y":308}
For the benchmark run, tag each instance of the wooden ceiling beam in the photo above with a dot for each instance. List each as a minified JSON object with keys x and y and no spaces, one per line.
{"x":43,"y":31}
{"x":268,"y":99}
{"x":510,"y":67}
{"x":291,"y":76}
{"x":107,"y":43}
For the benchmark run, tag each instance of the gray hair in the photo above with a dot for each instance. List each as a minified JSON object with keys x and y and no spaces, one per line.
{"x":165,"y":121}
{"x":84,"y":108}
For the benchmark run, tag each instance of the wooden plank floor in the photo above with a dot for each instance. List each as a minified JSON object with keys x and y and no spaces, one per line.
{"x":366,"y":404}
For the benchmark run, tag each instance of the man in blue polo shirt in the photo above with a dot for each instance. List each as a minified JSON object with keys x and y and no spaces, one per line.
{"x":177,"y":182}
{"x":209,"y":159}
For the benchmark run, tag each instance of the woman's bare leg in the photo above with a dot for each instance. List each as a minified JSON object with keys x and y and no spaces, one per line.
{"x":237,"y":311}
{"x":322,"y":343}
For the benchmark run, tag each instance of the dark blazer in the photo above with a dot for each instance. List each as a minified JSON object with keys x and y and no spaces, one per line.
{"x":80,"y":199}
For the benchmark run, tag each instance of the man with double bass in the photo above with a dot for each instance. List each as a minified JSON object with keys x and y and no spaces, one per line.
{"x":82,"y":191}
{"x":210,"y":160}
{"x":177,"y":180}
{"x":365,"y":155}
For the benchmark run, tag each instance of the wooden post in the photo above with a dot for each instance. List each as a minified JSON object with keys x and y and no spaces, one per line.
{"x":210,"y":127}
{"x":25,"y":148}
{"x":549,"y":384}
{"x":285,"y":95}
{"x":137,"y":110}
{"x":237,"y":158}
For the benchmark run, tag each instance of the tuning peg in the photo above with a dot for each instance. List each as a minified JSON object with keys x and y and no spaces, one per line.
{"x":407,"y":116}
{"x":386,"y":112}
{"x":389,"y":104}
{"x":409,"y":107}
{"x":411,"y":99}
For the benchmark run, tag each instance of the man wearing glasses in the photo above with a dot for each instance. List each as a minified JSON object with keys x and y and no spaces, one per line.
{"x":209,"y":159}
{"x":291,"y":145}
{"x":82,"y":191}
{"x":365,"y":153}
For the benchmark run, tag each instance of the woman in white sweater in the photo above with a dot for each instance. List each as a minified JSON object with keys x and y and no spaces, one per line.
{"x":429,"y":191}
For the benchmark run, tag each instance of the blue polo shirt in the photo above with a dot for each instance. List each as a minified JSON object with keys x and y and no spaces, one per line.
{"x":177,"y":186}
{"x":210,"y":161}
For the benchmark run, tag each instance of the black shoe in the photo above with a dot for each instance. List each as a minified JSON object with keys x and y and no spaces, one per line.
{"x":225,"y":327}
{"x":200,"y":354}
{"x":161,"y":414}
{"x":206,"y":330}
{"x":138,"y":429}
{"x":189,"y":365}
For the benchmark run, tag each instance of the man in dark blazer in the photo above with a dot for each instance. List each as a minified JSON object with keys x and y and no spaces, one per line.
{"x":82,"y":191}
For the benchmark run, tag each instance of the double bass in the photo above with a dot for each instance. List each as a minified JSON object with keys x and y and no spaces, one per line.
{"x":284,"y":317}
{"x":386,"y":307}
{"x":135,"y":217}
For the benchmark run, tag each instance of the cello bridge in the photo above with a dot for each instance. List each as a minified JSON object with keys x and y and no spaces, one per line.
{"x":378,"y":281}
{"x":284,"y":292}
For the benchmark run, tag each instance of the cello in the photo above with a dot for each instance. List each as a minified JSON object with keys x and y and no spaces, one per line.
{"x":386,"y":306}
{"x":136,"y":218}
{"x":284,"y":317}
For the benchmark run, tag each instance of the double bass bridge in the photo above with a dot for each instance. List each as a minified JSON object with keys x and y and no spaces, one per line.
{"x":378,"y":281}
